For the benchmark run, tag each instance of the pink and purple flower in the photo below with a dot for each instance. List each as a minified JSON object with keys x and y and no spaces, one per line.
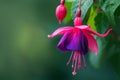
{"x":78,"y":39}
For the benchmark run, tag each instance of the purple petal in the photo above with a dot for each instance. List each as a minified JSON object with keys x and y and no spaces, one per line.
{"x":74,"y":40}
{"x":63,"y":42}
{"x":84,"y":44}
{"x":78,"y":41}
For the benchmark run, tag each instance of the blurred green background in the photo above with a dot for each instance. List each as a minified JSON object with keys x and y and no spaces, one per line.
{"x":25,"y":51}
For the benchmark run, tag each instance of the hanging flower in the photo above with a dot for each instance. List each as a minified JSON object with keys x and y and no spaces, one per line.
{"x":61,"y":11}
{"x":77,"y":39}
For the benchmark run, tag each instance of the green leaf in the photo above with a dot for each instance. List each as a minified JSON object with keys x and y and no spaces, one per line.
{"x":100,"y":2}
{"x":84,"y":7}
{"x":91,"y":21}
{"x":69,"y":0}
{"x":74,"y":8}
{"x":86,"y":4}
{"x":116,"y":27}
{"x":102,"y":25}
{"x":117,"y":12}
{"x":109,"y":8}
{"x":98,"y":60}
{"x":106,"y":50}
{"x":115,"y":63}
{"x":68,"y":17}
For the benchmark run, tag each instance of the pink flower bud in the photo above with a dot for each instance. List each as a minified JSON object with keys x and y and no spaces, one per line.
{"x":77,"y":21}
{"x":61,"y":12}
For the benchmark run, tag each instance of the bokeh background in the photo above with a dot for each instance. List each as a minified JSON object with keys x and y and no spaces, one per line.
{"x":25,"y":51}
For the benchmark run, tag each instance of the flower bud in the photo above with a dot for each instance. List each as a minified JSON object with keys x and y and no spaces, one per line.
{"x":77,"y":21}
{"x":61,"y":12}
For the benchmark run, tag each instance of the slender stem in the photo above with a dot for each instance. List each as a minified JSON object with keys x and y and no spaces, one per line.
{"x":78,"y":11}
{"x":62,"y":1}
{"x":79,"y":5}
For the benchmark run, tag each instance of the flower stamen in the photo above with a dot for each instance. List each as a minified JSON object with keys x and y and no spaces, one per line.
{"x":79,"y":61}
{"x":75,"y":65}
{"x":84,"y":61}
{"x":70,"y":58}
{"x":73,"y":60}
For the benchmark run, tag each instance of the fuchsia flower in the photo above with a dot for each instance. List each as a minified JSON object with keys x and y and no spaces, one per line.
{"x":77,"y":39}
{"x":61,"y":11}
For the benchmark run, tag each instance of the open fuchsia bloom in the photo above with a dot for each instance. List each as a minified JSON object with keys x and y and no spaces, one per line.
{"x":77,"y":39}
{"x":61,"y":11}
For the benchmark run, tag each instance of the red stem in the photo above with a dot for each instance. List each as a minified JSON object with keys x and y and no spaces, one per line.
{"x":62,"y":2}
{"x":78,"y":11}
